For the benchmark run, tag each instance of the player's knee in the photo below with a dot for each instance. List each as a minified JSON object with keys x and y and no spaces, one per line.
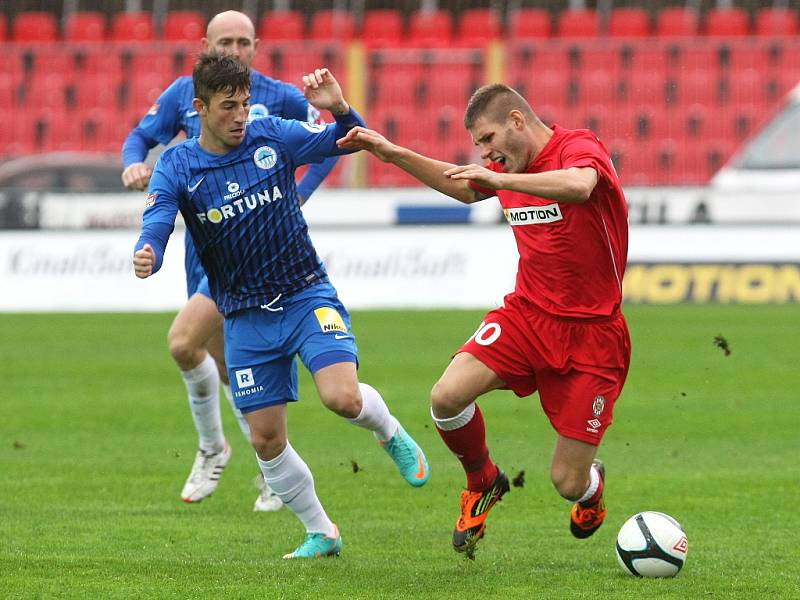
{"x":183,"y":350}
{"x":267,"y":444}
{"x":570,"y":484}
{"x":446,"y":401}
{"x":344,"y":400}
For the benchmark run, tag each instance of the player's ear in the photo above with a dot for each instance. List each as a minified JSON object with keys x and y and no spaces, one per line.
{"x":199,"y":106}
{"x":517,"y":118}
{"x":255,"y":45}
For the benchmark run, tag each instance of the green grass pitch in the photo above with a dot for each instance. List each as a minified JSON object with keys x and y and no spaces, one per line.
{"x":96,"y":440}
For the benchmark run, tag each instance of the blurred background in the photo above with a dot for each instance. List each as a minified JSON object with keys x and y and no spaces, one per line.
{"x":693,"y":99}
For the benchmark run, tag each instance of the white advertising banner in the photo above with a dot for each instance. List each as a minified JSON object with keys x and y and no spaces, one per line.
{"x":371,"y":207}
{"x":404,"y":267}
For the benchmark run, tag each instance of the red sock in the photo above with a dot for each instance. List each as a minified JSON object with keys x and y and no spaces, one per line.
{"x":468,"y":443}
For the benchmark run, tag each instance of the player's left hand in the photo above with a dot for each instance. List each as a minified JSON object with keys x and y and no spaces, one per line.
{"x":323,"y":91}
{"x":143,"y":261}
{"x":480,"y":175}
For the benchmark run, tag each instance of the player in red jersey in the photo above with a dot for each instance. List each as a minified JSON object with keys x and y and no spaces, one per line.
{"x":561,"y":330}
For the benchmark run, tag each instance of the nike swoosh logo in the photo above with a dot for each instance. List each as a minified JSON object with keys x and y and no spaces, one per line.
{"x":421,"y":465}
{"x":191,"y":113}
{"x":340,"y":337}
{"x":192,"y":188}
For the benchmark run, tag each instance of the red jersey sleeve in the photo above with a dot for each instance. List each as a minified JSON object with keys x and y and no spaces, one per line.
{"x":488,"y":192}
{"x":586,"y":150}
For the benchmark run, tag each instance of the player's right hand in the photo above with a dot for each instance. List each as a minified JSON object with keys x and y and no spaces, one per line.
{"x":361,"y":138}
{"x":143,"y":261}
{"x":137,"y":176}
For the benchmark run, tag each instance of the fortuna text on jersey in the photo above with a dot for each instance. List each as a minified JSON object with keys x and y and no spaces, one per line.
{"x":240,"y":206}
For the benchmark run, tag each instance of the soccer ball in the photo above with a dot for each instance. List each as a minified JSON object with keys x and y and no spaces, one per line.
{"x":651,"y":544}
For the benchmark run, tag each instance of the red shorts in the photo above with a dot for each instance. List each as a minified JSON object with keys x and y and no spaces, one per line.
{"x":578,"y":365}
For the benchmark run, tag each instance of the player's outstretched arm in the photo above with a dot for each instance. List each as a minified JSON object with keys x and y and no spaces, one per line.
{"x":573,"y":185}
{"x":144,"y":260}
{"x":429,"y":171}
{"x":323,"y":92}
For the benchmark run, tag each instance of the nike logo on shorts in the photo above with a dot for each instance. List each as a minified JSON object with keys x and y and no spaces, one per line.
{"x":192,"y":188}
{"x":339,"y":336}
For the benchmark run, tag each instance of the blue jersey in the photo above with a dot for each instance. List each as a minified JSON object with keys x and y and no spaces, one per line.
{"x":173,"y":112}
{"x":241,"y":208}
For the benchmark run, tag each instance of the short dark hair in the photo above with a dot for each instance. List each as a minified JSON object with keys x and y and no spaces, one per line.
{"x":214,"y":72}
{"x":495,"y":101}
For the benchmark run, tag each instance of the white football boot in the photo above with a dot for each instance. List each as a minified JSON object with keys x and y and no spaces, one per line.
{"x":206,"y":471}
{"x":267,"y":500}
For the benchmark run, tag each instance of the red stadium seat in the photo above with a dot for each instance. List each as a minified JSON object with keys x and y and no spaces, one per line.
{"x":776,"y":21}
{"x":527,"y":23}
{"x":477,"y":27}
{"x":578,"y":23}
{"x":747,"y":87}
{"x":132,"y":27}
{"x":675,"y":21}
{"x":597,"y":88}
{"x":184,"y":25}
{"x":332,"y":25}
{"x":382,"y":28}
{"x":698,"y":87}
{"x":85,"y":26}
{"x":632,"y":22}
{"x":726,"y":22}
{"x":35,"y":26}
{"x":3,"y":27}
{"x":282,"y":25}
{"x":430,"y":29}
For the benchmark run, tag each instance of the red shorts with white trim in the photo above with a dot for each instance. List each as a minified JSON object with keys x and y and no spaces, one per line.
{"x":578,"y":366}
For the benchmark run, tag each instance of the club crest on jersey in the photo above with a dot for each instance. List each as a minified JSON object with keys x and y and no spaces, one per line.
{"x":533,"y":215}
{"x":153,"y":110}
{"x":257,"y":111}
{"x":314,"y":127}
{"x":150,"y":200}
{"x":329,"y":319}
{"x":265,"y":158}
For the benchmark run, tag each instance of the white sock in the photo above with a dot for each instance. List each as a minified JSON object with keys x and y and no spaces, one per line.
{"x":374,"y":414}
{"x":451,"y":423}
{"x":291,"y":479}
{"x":594,"y":483}
{"x":202,"y":383}
{"x":226,"y":388}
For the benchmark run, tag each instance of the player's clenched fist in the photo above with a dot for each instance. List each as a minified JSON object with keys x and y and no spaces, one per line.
{"x":143,"y":261}
{"x":137,"y":176}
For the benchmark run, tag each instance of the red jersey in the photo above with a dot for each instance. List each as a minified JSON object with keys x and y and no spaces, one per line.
{"x":572,"y":256}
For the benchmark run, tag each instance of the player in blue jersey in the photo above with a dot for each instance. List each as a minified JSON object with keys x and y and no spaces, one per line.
{"x":234,"y":186}
{"x":197,"y":329}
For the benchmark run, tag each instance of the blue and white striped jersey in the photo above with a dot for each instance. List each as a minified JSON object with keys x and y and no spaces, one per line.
{"x":173,"y":112}
{"x":242,"y":211}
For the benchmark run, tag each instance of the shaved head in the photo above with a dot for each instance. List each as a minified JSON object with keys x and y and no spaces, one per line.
{"x":232,"y":33}
{"x":229,"y":18}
